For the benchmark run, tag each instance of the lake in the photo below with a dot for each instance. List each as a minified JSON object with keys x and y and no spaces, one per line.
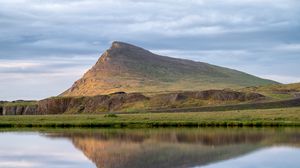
{"x":155,"y":148}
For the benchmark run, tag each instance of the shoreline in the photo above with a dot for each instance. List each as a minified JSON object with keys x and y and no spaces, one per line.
{"x":282,"y":117}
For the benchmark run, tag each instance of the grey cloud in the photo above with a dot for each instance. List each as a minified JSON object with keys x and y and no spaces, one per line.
{"x":256,"y":36}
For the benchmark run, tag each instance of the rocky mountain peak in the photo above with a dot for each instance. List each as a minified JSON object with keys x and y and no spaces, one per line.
{"x":120,"y":52}
{"x":119,"y":44}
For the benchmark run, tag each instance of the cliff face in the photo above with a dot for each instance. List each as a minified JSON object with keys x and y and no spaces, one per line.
{"x":18,"y":107}
{"x":100,"y":103}
{"x":127,"y":102}
{"x":19,"y":110}
{"x":210,"y":100}
{"x":128,"y":68}
{"x":138,"y":102}
{"x":215,"y":95}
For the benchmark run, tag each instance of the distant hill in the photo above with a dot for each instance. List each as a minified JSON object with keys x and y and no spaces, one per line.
{"x":128,"y":68}
{"x":284,"y":88}
{"x":277,"y":91}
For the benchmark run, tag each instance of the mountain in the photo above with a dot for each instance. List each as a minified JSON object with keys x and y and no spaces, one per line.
{"x":162,"y":149}
{"x":128,"y":68}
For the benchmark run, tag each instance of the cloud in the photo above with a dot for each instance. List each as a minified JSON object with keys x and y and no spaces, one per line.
{"x":289,"y":47}
{"x":268,"y":157}
{"x":21,"y":164}
{"x":18,"y":64}
{"x":250,"y":35}
{"x":40,"y":78}
{"x":27,"y":153}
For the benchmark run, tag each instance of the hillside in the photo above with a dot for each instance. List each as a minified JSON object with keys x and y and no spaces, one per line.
{"x":280,"y":88}
{"x":128,"y":68}
{"x":277,"y":91}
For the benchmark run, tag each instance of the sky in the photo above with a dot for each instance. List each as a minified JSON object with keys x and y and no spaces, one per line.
{"x":275,"y":157}
{"x":45,"y":45}
{"x":33,"y":150}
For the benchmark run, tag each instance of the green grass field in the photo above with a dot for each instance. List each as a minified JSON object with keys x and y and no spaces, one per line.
{"x":258,"y":118}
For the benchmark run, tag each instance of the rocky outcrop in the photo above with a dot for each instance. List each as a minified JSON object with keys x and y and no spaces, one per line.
{"x":54,"y":105}
{"x":223,"y":95}
{"x":60,"y":105}
{"x":18,"y":107}
{"x":19,"y":110}
{"x":100,"y":103}
{"x":212,"y":96}
{"x":121,"y":101}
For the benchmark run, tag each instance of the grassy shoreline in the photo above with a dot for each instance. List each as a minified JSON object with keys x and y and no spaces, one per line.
{"x":245,"y":118}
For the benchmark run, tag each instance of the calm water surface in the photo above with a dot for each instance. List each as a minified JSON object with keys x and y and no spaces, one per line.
{"x":159,"y":148}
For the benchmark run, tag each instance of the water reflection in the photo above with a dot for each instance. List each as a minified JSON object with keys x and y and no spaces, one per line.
{"x":30,"y":150}
{"x":164,"y":148}
{"x":275,"y":157}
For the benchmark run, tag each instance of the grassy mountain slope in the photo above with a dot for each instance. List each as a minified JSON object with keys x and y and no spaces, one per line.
{"x":277,"y":91}
{"x":128,"y":68}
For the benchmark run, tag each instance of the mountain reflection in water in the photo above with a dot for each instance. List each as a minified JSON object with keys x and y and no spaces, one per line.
{"x":176,"y":148}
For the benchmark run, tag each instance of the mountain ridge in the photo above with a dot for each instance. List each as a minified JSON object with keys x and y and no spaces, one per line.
{"x":128,"y":68}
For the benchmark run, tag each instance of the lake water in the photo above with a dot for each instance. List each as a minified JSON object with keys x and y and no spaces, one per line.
{"x":155,"y":148}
